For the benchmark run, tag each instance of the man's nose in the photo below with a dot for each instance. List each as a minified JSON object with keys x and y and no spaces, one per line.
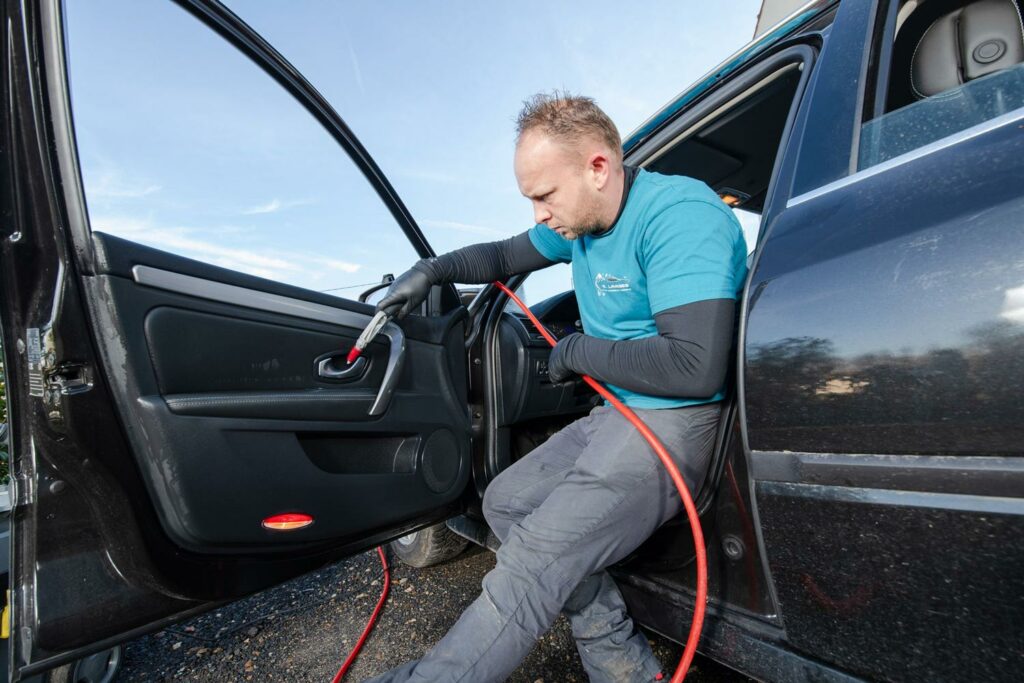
{"x":541,"y":214}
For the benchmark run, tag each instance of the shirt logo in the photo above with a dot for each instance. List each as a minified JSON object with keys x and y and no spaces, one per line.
{"x":605,"y":283}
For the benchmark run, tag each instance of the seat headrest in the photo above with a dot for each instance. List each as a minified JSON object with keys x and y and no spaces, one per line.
{"x":973,"y":41}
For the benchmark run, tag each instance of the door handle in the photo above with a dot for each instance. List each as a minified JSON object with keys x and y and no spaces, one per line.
{"x":326,"y":369}
{"x":396,"y":359}
{"x":332,"y":366}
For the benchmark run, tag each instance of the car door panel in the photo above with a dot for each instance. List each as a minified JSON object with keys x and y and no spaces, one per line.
{"x":161,"y":408}
{"x":231,"y":423}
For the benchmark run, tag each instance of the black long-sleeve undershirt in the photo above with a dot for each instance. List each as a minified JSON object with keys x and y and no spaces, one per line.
{"x":688,"y":358}
{"x":485,"y":262}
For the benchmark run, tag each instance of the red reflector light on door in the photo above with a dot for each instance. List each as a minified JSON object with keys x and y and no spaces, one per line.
{"x":287,"y":522}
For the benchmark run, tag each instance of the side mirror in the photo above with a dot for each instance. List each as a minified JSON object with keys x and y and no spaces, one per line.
{"x":384,"y":284}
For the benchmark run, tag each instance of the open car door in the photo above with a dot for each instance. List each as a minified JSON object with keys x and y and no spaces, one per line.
{"x":166,"y":411}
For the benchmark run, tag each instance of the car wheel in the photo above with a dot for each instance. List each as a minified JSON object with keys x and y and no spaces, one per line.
{"x":98,"y":668}
{"x":429,"y":546}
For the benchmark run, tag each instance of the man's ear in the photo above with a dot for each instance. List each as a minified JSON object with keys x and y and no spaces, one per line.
{"x":600,"y":168}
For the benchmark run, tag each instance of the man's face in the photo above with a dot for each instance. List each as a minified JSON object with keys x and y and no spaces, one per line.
{"x":559,"y":182}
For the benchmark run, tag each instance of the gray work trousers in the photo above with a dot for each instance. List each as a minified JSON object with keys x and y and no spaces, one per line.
{"x":583,"y":500}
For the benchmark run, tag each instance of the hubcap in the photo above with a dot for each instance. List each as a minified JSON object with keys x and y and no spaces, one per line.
{"x":98,"y":668}
{"x":408,"y":539}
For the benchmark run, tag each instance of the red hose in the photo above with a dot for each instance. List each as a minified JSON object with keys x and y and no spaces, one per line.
{"x":677,"y":479}
{"x":369,"y":625}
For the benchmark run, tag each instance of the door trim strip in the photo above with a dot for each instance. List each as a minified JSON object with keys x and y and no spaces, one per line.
{"x":275,"y":303}
{"x":1006,"y":119}
{"x":249,"y":298}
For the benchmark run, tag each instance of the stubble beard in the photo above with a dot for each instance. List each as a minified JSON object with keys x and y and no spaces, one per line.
{"x":590,"y":224}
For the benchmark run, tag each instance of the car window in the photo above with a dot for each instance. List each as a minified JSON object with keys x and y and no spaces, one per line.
{"x":951,"y":66}
{"x":187,"y":146}
{"x":751,"y":224}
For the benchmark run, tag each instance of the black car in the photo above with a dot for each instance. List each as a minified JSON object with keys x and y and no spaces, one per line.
{"x":865,"y":510}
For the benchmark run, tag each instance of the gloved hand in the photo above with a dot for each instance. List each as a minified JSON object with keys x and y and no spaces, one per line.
{"x":407,"y":292}
{"x":559,"y":367}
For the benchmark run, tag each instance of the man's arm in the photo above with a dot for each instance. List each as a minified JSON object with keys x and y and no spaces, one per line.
{"x":477,"y":263}
{"x":688,"y":358}
{"x":486,"y":262}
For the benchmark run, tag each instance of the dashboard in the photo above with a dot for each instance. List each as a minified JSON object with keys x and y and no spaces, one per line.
{"x":526,"y":390}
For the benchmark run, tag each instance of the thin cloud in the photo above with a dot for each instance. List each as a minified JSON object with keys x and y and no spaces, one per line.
{"x":335,"y":264}
{"x":109,"y":184}
{"x":355,"y":68}
{"x":273,"y":206}
{"x":287,"y":267}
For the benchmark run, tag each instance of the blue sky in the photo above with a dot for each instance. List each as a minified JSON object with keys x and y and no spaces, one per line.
{"x":185,"y":145}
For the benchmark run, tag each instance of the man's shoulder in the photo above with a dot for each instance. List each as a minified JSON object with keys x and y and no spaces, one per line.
{"x":663,"y":192}
{"x":676,"y":195}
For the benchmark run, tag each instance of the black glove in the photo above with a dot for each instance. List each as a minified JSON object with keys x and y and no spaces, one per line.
{"x":559,"y":363}
{"x":407,"y":292}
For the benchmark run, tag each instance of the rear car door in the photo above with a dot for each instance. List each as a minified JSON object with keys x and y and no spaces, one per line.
{"x":175,"y":367}
{"x":883,"y":353}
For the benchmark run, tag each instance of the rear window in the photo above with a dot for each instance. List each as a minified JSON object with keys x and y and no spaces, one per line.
{"x":945,"y":67}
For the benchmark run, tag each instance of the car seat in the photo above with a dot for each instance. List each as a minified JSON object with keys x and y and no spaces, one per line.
{"x":946,"y":43}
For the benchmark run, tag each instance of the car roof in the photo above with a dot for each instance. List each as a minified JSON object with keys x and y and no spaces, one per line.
{"x":782,"y":30}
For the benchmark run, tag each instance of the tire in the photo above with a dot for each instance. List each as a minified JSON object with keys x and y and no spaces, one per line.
{"x":430,"y":546}
{"x":98,"y":668}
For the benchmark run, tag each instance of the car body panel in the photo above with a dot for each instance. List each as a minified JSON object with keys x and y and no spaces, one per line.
{"x":880,"y":362}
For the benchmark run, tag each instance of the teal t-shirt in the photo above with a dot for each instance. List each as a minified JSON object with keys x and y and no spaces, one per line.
{"x":674,"y":243}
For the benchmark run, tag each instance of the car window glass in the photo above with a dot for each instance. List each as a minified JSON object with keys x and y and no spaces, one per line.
{"x":751,"y":224}
{"x":187,"y":146}
{"x":952,"y":66}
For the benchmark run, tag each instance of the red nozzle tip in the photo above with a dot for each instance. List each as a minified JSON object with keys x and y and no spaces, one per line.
{"x":352,"y":355}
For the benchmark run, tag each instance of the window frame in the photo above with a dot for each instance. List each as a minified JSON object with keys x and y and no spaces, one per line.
{"x":733,"y":91}
{"x":817,"y":107}
{"x":226,"y":25}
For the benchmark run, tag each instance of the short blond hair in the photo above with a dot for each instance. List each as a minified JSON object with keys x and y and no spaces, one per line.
{"x":568,"y":118}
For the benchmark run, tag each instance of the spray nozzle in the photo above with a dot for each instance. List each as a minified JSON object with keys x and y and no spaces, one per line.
{"x":377,"y":323}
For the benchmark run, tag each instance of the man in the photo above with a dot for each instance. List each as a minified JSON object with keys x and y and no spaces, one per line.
{"x":657,"y":263}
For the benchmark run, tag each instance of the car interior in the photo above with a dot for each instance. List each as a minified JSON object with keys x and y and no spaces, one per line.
{"x":942,"y":44}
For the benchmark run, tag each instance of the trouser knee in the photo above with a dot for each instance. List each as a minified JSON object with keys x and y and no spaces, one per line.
{"x":496,"y":511}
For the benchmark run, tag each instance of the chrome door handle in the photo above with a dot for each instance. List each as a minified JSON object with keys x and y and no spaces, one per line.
{"x":326,"y":369}
{"x":396,"y":359}
{"x":333,"y":367}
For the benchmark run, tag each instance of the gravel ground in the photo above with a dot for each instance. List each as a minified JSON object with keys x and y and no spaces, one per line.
{"x":302,"y":630}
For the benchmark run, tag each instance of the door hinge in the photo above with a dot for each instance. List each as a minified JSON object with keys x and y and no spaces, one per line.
{"x":68,"y":379}
{"x":50,"y":378}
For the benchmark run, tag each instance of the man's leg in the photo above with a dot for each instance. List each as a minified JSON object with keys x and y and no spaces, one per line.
{"x":607,"y":639}
{"x":615,"y":496}
{"x":605,"y":635}
{"x":609,"y":643}
{"x":515,"y":493}
{"x":522,"y":487}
